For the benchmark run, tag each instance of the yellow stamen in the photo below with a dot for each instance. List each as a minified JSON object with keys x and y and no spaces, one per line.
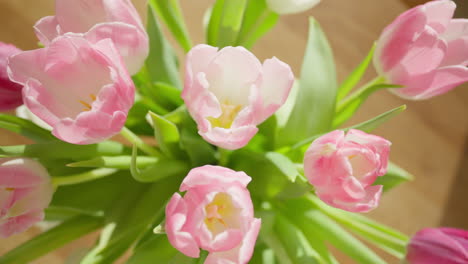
{"x":229,"y":113}
{"x":87,"y":105}
{"x":10,"y":189}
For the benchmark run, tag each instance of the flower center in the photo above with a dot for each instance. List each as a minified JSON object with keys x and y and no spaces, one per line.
{"x":9,"y":189}
{"x":220,"y":214}
{"x":86,"y":104}
{"x":229,"y":113}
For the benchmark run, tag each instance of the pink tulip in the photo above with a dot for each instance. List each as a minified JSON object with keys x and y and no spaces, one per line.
{"x":82,"y":90}
{"x":10,"y":92}
{"x":98,"y":20}
{"x":215,"y":214}
{"x":229,"y":92}
{"x":438,"y":246}
{"x":25,"y":191}
{"x":343,"y":168}
{"x":425,"y":51}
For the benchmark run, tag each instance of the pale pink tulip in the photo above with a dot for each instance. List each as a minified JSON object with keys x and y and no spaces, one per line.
{"x":98,"y":20}
{"x":215,"y":214}
{"x":25,"y":191}
{"x":82,"y":90}
{"x":10,"y":92}
{"x":425,"y":51}
{"x":343,"y":168}
{"x":438,"y":246}
{"x":285,"y":7}
{"x":229,"y":92}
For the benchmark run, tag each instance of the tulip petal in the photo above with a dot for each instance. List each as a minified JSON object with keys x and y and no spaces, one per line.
{"x":292,"y":6}
{"x":46,"y":29}
{"x":439,"y":13}
{"x":210,"y":175}
{"x":240,"y":254}
{"x":131,"y":43}
{"x":276,"y":84}
{"x":176,"y":215}
{"x":456,"y":36}
{"x":231,"y":74}
{"x":20,"y":223}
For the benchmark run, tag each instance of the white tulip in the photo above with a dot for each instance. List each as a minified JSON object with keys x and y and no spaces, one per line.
{"x":291,"y":6}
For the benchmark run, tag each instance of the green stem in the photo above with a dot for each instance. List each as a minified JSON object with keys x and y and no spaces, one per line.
{"x":137,"y":141}
{"x":359,"y":92}
{"x":82,"y":177}
{"x":202,"y":258}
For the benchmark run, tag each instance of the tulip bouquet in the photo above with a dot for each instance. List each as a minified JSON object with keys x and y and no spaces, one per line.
{"x":240,"y":161}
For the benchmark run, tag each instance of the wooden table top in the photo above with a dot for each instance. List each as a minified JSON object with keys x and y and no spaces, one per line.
{"x":429,"y":139}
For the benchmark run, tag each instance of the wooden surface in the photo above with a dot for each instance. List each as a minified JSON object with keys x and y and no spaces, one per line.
{"x":429,"y":139}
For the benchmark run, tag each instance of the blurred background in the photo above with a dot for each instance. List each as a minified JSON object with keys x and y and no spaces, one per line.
{"x":430,"y":139}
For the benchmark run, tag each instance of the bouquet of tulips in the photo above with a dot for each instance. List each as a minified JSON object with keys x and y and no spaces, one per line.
{"x":240,"y":161}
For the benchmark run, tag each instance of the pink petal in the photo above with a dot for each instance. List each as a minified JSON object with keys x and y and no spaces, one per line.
{"x":214,"y":175}
{"x":425,"y":55}
{"x":276,"y":83}
{"x":430,"y":85}
{"x":46,"y":29}
{"x":439,"y":13}
{"x":21,"y":173}
{"x":231,"y":74}
{"x":20,"y":223}
{"x":233,"y":138}
{"x":132,"y":43}
{"x":456,"y":36}
{"x":241,"y":254}
{"x":79,"y":15}
{"x":397,"y":39}
{"x":176,"y":215}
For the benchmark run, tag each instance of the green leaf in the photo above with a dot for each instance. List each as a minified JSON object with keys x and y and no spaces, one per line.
{"x":394,"y":177}
{"x":375,"y":122}
{"x":167,"y":136}
{"x":312,"y":221}
{"x":366,"y":126}
{"x":52,"y":239}
{"x":117,"y":162}
{"x":384,"y":237}
{"x":272,"y":239}
{"x":315,"y":103}
{"x":351,"y":104}
{"x":355,"y":77}
{"x":225,"y":22}
{"x":295,"y":243}
{"x":199,"y":151}
{"x":129,"y":219}
{"x":59,"y":150}
{"x":285,"y":165}
{"x":161,"y":64}
{"x":271,"y":171}
{"x":25,"y":128}
{"x":159,"y":170}
{"x":169,"y":11}
{"x":158,"y":248}
{"x":89,"y":197}
{"x":258,"y":20}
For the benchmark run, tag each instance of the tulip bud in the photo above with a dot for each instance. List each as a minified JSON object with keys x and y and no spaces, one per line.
{"x":424,"y":50}
{"x":343,"y":169}
{"x":291,"y":6}
{"x":437,"y":246}
{"x":82,"y":90}
{"x":215,"y":214}
{"x":25,"y":191}
{"x":229,"y":92}
{"x":10,"y":92}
